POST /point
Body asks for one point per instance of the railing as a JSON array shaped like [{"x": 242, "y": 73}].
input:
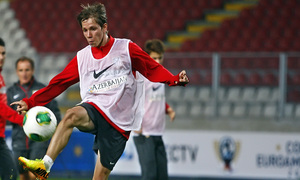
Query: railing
[
  {"x": 284, "y": 66},
  {"x": 214, "y": 70}
]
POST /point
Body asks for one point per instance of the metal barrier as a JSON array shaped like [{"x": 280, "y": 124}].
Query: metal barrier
[{"x": 284, "y": 67}]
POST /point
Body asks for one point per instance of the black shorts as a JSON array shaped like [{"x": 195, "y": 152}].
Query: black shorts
[{"x": 110, "y": 142}]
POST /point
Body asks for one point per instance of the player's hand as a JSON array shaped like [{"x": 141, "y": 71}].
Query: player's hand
[
  {"x": 139, "y": 131},
  {"x": 21, "y": 106},
  {"x": 171, "y": 114},
  {"x": 183, "y": 79}
]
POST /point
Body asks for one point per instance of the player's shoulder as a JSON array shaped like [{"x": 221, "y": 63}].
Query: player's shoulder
[
  {"x": 122, "y": 41},
  {"x": 88, "y": 47}
]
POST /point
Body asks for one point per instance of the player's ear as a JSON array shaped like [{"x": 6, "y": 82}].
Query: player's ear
[{"x": 105, "y": 27}]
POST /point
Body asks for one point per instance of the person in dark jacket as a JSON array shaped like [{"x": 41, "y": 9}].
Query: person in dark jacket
[
  {"x": 24, "y": 88},
  {"x": 8, "y": 170}
]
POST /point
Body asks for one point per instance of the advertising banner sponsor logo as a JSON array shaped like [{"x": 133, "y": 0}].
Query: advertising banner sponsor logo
[{"x": 224, "y": 154}]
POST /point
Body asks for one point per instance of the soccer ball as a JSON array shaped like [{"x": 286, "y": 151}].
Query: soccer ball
[{"x": 39, "y": 123}]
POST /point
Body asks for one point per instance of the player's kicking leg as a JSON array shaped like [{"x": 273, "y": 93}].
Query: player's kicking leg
[{"x": 75, "y": 117}]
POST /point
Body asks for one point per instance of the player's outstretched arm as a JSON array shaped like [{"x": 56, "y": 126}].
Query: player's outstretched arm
[{"x": 21, "y": 106}]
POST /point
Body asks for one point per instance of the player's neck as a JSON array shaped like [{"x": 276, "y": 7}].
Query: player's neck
[{"x": 105, "y": 40}]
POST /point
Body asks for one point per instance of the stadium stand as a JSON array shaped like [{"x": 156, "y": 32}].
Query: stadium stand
[{"x": 187, "y": 27}]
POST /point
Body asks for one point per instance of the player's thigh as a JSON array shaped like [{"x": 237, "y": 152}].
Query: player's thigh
[{"x": 78, "y": 117}]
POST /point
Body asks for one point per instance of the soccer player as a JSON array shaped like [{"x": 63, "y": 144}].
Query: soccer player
[
  {"x": 25, "y": 87},
  {"x": 148, "y": 141},
  {"x": 8, "y": 168},
  {"x": 111, "y": 90}
]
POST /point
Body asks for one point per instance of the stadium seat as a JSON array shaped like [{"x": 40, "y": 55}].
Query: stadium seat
[
  {"x": 255, "y": 45},
  {"x": 209, "y": 110},
  {"x": 173, "y": 63},
  {"x": 255, "y": 79},
  {"x": 243, "y": 63},
  {"x": 258, "y": 63},
  {"x": 181, "y": 109},
  {"x": 296, "y": 79},
  {"x": 270, "y": 110},
  {"x": 226, "y": 24},
  {"x": 257, "y": 13},
  {"x": 289, "y": 110},
  {"x": 239, "y": 110},
  {"x": 175, "y": 93},
  {"x": 188, "y": 63},
  {"x": 274, "y": 97},
  {"x": 222, "y": 94},
  {"x": 233, "y": 94},
  {"x": 284, "y": 44},
  {"x": 255, "y": 110},
  {"x": 219, "y": 34},
  {"x": 227, "y": 45},
  {"x": 228, "y": 63},
  {"x": 195, "y": 78},
  {"x": 269, "y": 79},
  {"x": 207, "y": 79},
  {"x": 266, "y": 27},
  {"x": 295, "y": 45},
  {"x": 234, "y": 35},
  {"x": 270, "y": 45},
  {"x": 240, "y": 79},
  {"x": 261, "y": 34},
  {"x": 225, "y": 79},
  {"x": 248, "y": 94},
  {"x": 241, "y": 45},
  {"x": 263, "y": 94},
  {"x": 272, "y": 63},
  {"x": 204, "y": 94},
  {"x": 203, "y": 63},
  {"x": 225, "y": 109},
  {"x": 196, "y": 109},
  {"x": 190, "y": 93},
  {"x": 297, "y": 111},
  {"x": 293, "y": 96}
]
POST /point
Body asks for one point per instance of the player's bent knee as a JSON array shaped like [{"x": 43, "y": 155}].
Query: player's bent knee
[
  {"x": 102, "y": 174},
  {"x": 72, "y": 117}
]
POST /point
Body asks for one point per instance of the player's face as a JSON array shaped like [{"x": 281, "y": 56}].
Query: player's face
[
  {"x": 24, "y": 72},
  {"x": 157, "y": 57},
  {"x": 2, "y": 56},
  {"x": 93, "y": 32}
]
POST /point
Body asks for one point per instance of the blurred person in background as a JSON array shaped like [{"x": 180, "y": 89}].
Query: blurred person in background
[
  {"x": 111, "y": 89},
  {"x": 24, "y": 88},
  {"x": 8, "y": 170},
  {"x": 148, "y": 140}
]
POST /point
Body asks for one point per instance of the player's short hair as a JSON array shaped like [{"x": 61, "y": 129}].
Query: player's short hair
[
  {"x": 96, "y": 11},
  {"x": 2, "y": 43},
  {"x": 24, "y": 58},
  {"x": 154, "y": 45}
]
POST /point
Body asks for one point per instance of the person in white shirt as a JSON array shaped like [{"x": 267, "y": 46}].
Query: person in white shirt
[{"x": 148, "y": 140}]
